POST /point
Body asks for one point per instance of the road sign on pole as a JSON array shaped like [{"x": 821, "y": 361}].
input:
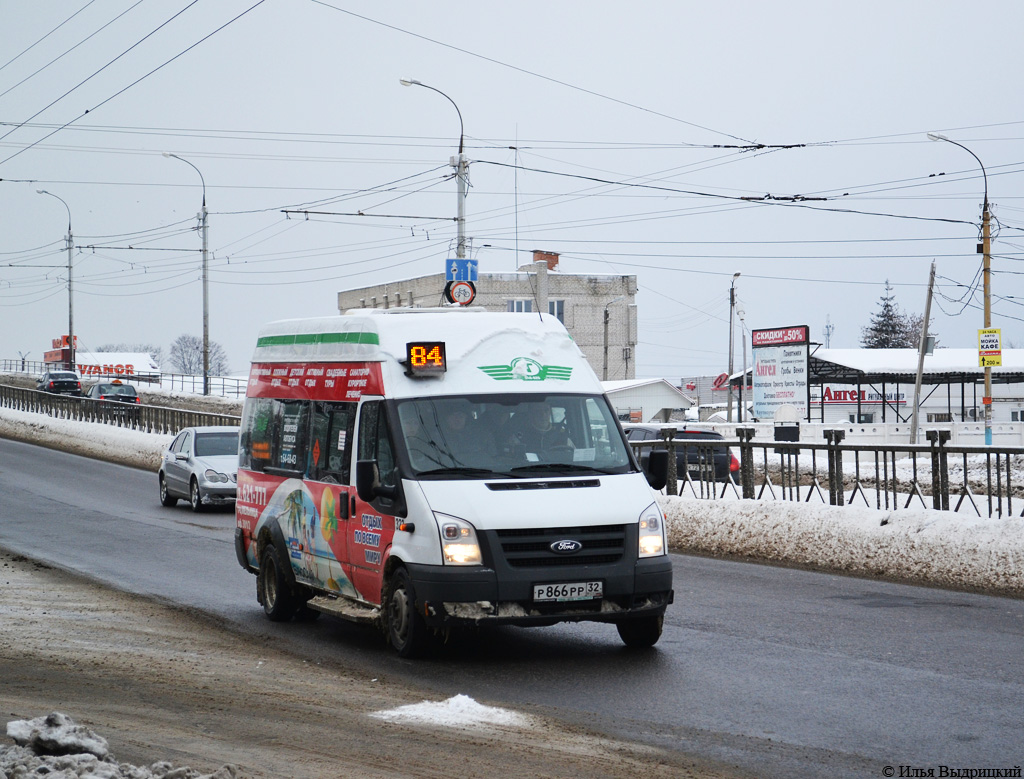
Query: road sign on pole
[
  {"x": 990, "y": 352},
  {"x": 460, "y": 270}
]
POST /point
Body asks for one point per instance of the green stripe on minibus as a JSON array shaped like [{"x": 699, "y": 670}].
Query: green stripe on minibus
[{"x": 308, "y": 339}]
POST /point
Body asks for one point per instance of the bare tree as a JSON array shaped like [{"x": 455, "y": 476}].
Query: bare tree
[{"x": 187, "y": 356}]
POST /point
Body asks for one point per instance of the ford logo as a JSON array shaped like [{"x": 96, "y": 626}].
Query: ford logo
[{"x": 566, "y": 547}]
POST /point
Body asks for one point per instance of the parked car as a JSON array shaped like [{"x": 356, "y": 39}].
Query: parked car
[
  {"x": 702, "y": 458},
  {"x": 60, "y": 383},
  {"x": 114, "y": 396},
  {"x": 200, "y": 466}
]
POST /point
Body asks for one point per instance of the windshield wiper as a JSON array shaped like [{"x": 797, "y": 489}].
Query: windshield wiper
[
  {"x": 456, "y": 470},
  {"x": 561, "y": 467}
]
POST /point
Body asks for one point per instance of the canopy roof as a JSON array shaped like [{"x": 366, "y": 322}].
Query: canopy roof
[{"x": 944, "y": 366}]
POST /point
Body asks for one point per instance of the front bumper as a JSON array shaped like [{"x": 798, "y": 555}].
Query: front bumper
[{"x": 448, "y": 595}]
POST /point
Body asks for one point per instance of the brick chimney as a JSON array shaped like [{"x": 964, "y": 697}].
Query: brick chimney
[{"x": 551, "y": 258}]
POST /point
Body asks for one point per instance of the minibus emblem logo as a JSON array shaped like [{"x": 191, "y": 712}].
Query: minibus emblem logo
[
  {"x": 525, "y": 369},
  {"x": 566, "y": 546}
]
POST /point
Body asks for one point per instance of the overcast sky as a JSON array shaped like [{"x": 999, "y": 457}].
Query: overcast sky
[{"x": 624, "y": 136}]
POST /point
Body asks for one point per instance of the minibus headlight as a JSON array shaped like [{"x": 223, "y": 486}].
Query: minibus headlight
[
  {"x": 652, "y": 532},
  {"x": 459, "y": 545},
  {"x": 213, "y": 476}
]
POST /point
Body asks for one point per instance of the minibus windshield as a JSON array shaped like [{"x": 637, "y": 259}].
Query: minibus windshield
[{"x": 509, "y": 435}]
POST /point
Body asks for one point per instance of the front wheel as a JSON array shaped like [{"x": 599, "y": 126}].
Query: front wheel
[
  {"x": 406, "y": 630},
  {"x": 195, "y": 497},
  {"x": 641, "y": 632},
  {"x": 274, "y": 592},
  {"x": 166, "y": 499}
]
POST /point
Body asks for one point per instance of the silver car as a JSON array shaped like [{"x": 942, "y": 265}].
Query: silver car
[{"x": 200, "y": 466}]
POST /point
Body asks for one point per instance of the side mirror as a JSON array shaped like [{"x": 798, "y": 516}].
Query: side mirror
[
  {"x": 368, "y": 484},
  {"x": 657, "y": 469},
  {"x": 366, "y": 477}
]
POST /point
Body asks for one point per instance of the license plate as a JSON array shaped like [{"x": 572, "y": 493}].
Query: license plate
[{"x": 567, "y": 592}]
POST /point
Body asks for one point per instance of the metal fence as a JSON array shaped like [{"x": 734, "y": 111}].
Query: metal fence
[
  {"x": 979, "y": 481},
  {"x": 226, "y": 386},
  {"x": 144, "y": 418}
]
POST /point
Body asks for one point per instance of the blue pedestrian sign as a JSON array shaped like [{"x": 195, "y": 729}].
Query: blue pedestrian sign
[{"x": 460, "y": 270}]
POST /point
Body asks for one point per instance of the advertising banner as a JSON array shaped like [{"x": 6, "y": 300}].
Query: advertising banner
[{"x": 780, "y": 372}]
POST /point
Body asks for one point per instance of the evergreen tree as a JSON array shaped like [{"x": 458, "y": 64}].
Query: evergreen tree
[
  {"x": 886, "y": 330},
  {"x": 890, "y": 328}
]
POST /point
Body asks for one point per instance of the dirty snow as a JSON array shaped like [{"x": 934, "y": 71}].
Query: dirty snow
[
  {"x": 55, "y": 746},
  {"x": 460, "y": 711}
]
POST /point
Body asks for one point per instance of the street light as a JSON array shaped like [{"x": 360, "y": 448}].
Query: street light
[
  {"x": 732, "y": 318},
  {"x": 461, "y": 166},
  {"x": 604, "y": 372},
  {"x": 743, "y": 350},
  {"x": 71, "y": 295},
  {"x": 206, "y": 280},
  {"x": 986, "y": 279}
]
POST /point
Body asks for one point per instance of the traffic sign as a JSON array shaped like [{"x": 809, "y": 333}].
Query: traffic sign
[
  {"x": 460, "y": 270},
  {"x": 461, "y": 292}
]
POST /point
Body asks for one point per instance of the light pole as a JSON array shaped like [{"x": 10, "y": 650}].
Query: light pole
[
  {"x": 986, "y": 279},
  {"x": 732, "y": 318},
  {"x": 206, "y": 278},
  {"x": 71, "y": 294},
  {"x": 743, "y": 350},
  {"x": 461, "y": 166},
  {"x": 604, "y": 372}
]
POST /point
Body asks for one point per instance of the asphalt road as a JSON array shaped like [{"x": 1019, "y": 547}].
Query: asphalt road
[{"x": 781, "y": 672}]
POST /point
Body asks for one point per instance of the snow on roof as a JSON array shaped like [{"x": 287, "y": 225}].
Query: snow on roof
[
  {"x": 618, "y": 386},
  {"x": 904, "y": 361}
]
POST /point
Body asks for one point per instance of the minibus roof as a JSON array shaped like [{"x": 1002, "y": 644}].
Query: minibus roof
[{"x": 484, "y": 349}]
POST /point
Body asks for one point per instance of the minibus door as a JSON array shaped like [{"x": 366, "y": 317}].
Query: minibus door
[
  {"x": 373, "y": 521},
  {"x": 330, "y": 461}
]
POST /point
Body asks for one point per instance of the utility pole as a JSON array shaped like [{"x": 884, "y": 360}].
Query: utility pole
[
  {"x": 71, "y": 282},
  {"x": 204, "y": 229},
  {"x": 922, "y": 346},
  {"x": 607, "y": 316},
  {"x": 461, "y": 165},
  {"x": 986, "y": 277},
  {"x": 732, "y": 320},
  {"x": 987, "y": 288}
]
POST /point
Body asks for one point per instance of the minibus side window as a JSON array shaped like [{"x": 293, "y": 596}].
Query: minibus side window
[
  {"x": 333, "y": 425},
  {"x": 274, "y": 435},
  {"x": 292, "y": 436},
  {"x": 257, "y": 434}
]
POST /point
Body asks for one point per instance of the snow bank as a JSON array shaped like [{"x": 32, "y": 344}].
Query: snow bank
[
  {"x": 55, "y": 746},
  {"x": 91, "y": 439},
  {"x": 924, "y": 546}
]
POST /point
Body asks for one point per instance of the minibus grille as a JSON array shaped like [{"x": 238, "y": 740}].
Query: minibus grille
[{"x": 531, "y": 547}]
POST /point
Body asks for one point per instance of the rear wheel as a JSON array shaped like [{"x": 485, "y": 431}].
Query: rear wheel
[
  {"x": 166, "y": 499},
  {"x": 279, "y": 603},
  {"x": 641, "y": 632},
  {"x": 195, "y": 497},
  {"x": 406, "y": 630}
]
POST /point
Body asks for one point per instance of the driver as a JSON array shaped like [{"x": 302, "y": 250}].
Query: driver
[{"x": 533, "y": 429}]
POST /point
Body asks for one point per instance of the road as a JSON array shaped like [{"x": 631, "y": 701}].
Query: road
[{"x": 781, "y": 672}]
